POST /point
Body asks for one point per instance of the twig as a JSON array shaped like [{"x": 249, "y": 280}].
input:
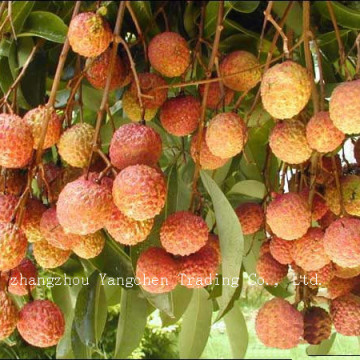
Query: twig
[
  {"x": 281, "y": 32},
  {"x": 10, "y": 19},
  {"x": 266, "y": 12}
]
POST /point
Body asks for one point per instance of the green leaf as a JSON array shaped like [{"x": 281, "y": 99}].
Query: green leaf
[
  {"x": 25, "y": 46},
  {"x": 329, "y": 46},
  {"x": 253, "y": 188},
  {"x": 323, "y": 348},
  {"x": 172, "y": 195},
  {"x": 196, "y": 325},
  {"x": 190, "y": 15},
  {"x": 294, "y": 18},
  {"x": 163, "y": 302},
  {"x": 242, "y": 6},
  {"x": 80, "y": 350},
  {"x": 142, "y": 10}
]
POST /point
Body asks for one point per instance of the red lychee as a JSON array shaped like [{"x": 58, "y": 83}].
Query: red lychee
[
  {"x": 48, "y": 256},
  {"x": 8, "y": 316},
  {"x": 317, "y": 325},
  {"x": 214, "y": 99},
  {"x": 12, "y": 182},
  {"x": 270, "y": 270},
  {"x": 7, "y": 206},
  {"x": 338, "y": 287},
  {"x": 31, "y": 222},
  {"x": 89, "y": 246},
  {"x": 319, "y": 207},
  {"x": 321, "y": 277},
  {"x": 281, "y": 250},
  {"x": 23, "y": 278},
  {"x": 251, "y": 217}
]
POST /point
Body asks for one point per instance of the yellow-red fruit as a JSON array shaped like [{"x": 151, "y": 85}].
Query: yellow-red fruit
[
  {"x": 214, "y": 99},
  {"x": 169, "y": 54},
  {"x": 251, "y": 217},
  {"x": 41, "y": 323},
  {"x": 321, "y": 277},
  {"x": 308, "y": 251},
  {"x": 319, "y": 207},
  {"x": 89, "y": 34},
  {"x": 325, "y": 174},
  {"x": 13, "y": 246},
  {"x": 344, "y": 107},
  {"x": 342, "y": 242},
  {"x": 139, "y": 192},
  {"x": 89, "y": 246},
  {"x": 15, "y": 132},
  {"x": 8, "y": 316},
  {"x": 31, "y": 222},
  {"x": 279, "y": 325},
  {"x": 180, "y": 115},
  {"x": 288, "y": 216},
  {"x": 350, "y": 185},
  {"x": 226, "y": 135},
  {"x": 132, "y": 108},
  {"x": 134, "y": 144},
  {"x": 357, "y": 151},
  {"x": 35, "y": 118},
  {"x": 345, "y": 314},
  {"x": 157, "y": 271},
  {"x": 339, "y": 287},
  {"x": 148, "y": 83},
  {"x": 281, "y": 250},
  {"x": 270, "y": 270},
  {"x": 84, "y": 206},
  {"x": 264, "y": 248},
  {"x": 346, "y": 273},
  {"x": 127, "y": 66},
  {"x": 126, "y": 230},
  {"x": 317, "y": 325},
  {"x": 183, "y": 233},
  {"x": 285, "y": 89},
  {"x": 12, "y": 182},
  {"x": 240, "y": 70},
  {"x": 23, "y": 278},
  {"x": 98, "y": 68},
  {"x": 7, "y": 207},
  {"x": 288, "y": 142},
  {"x": 208, "y": 161},
  {"x": 48, "y": 256},
  {"x": 75, "y": 145},
  {"x": 321, "y": 133}
]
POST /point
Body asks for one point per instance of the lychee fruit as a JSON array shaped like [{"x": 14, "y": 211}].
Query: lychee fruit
[
  {"x": 281, "y": 250},
  {"x": 48, "y": 256},
  {"x": 226, "y": 135},
  {"x": 7, "y": 206},
  {"x": 351, "y": 194},
  {"x": 251, "y": 217},
  {"x": 131, "y": 107},
  {"x": 41, "y": 323},
  {"x": 23, "y": 278},
  {"x": 317, "y": 325},
  {"x": 321, "y": 277},
  {"x": 14, "y": 132},
  {"x": 139, "y": 192},
  {"x": 89, "y": 34},
  {"x": 8, "y": 316},
  {"x": 270, "y": 270},
  {"x": 285, "y": 89},
  {"x": 12, "y": 182},
  {"x": 89, "y": 246},
  {"x": 279, "y": 325},
  {"x": 31, "y": 222},
  {"x": 346, "y": 273},
  {"x": 357, "y": 151},
  {"x": 134, "y": 144},
  {"x": 319, "y": 207},
  {"x": 183, "y": 233},
  {"x": 169, "y": 54},
  {"x": 157, "y": 271},
  {"x": 264, "y": 248},
  {"x": 214, "y": 99},
  {"x": 339, "y": 287}
]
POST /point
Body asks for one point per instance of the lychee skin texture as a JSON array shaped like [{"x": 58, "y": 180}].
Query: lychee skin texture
[
  {"x": 236, "y": 73},
  {"x": 128, "y": 231},
  {"x": 134, "y": 144},
  {"x": 35, "y": 118},
  {"x": 285, "y": 89},
  {"x": 157, "y": 271},
  {"x": 8, "y": 316},
  {"x": 214, "y": 99},
  {"x": 14, "y": 132},
  {"x": 344, "y": 107},
  {"x": 351, "y": 194},
  {"x": 75, "y": 145},
  {"x": 139, "y": 192},
  {"x": 317, "y": 325},
  {"x": 7, "y": 207},
  {"x": 132, "y": 108},
  {"x": 84, "y": 206},
  {"x": 342, "y": 242},
  {"x": 321, "y": 133},
  {"x": 322, "y": 277},
  {"x": 251, "y": 217},
  {"x": 41, "y": 323},
  {"x": 264, "y": 248},
  {"x": 288, "y": 216},
  {"x": 89, "y": 246},
  {"x": 183, "y": 233},
  {"x": 48, "y": 256},
  {"x": 270, "y": 270},
  {"x": 226, "y": 135},
  {"x": 23, "y": 278},
  {"x": 180, "y": 115},
  {"x": 338, "y": 287},
  {"x": 281, "y": 250},
  {"x": 169, "y": 54},
  {"x": 13, "y": 182},
  {"x": 288, "y": 142},
  {"x": 89, "y": 34},
  {"x": 346, "y": 273},
  {"x": 308, "y": 251},
  {"x": 345, "y": 314},
  {"x": 31, "y": 222},
  {"x": 279, "y": 325},
  {"x": 13, "y": 246}
]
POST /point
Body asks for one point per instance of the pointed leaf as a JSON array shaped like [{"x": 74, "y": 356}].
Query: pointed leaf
[{"x": 251, "y": 188}]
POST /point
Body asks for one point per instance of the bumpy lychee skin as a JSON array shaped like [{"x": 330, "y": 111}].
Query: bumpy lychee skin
[
  {"x": 89, "y": 246},
  {"x": 8, "y": 316},
  {"x": 279, "y": 325},
  {"x": 89, "y": 34},
  {"x": 281, "y": 250},
  {"x": 180, "y": 115},
  {"x": 48, "y": 256},
  {"x": 226, "y": 135},
  {"x": 7, "y": 207},
  {"x": 183, "y": 233},
  {"x": 157, "y": 271},
  {"x": 317, "y": 325},
  {"x": 251, "y": 217},
  {"x": 240, "y": 70},
  {"x": 12, "y": 182},
  {"x": 288, "y": 142},
  {"x": 128, "y": 231},
  {"x": 148, "y": 82},
  {"x": 322, "y": 135},
  {"x": 84, "y": 206},
  {"x": 346, "y": 273},
  {"x": 320, "y": 277},
  {"x": 14, "y": 132},
  {"x": 132, "y": 108},
  {"x": 288, "y": 216},
  {"x": 345, "y": 314},
  {"x": 270, "y": 270},
  {"x": 23, "y": 278},
  {"x": 35, "y": 118},
  {"x": 344, "y": 107},
  {"x": 31, "y": 222},
  {"x": 134, "y": 144},
  {"x": 13, "y": 246},
  {"x": 338, "y": 287},
  {"x": 357, "y": 151},
  {"x": 264, "y": 248},
  {"x": 139, "y": 192},
  {"x": 41, "y": 323},
  {"x": 278, "y": 88},
  {"x": 214, "y": 99},
  {"x": 169, "y": 54}
]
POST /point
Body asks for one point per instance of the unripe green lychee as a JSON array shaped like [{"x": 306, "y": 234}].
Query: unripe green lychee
[
  {"x": 23, "y": 278},
  {"x": 132, "y": 108},
  {"x": 251, "y": 217},
  {"x": 270, "y": 270},
  {"x": 8, "y": 316},
  {"x": 31, "y": 222},
  {"x": 317, "y": 325},
  {"x": 7, "y": 206},
  {"x": 214, "y": 99},
  {"x": 48, "y": 256},
  {"x": 89, "y": 246},
  {"x": 281, "y": 250}
]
